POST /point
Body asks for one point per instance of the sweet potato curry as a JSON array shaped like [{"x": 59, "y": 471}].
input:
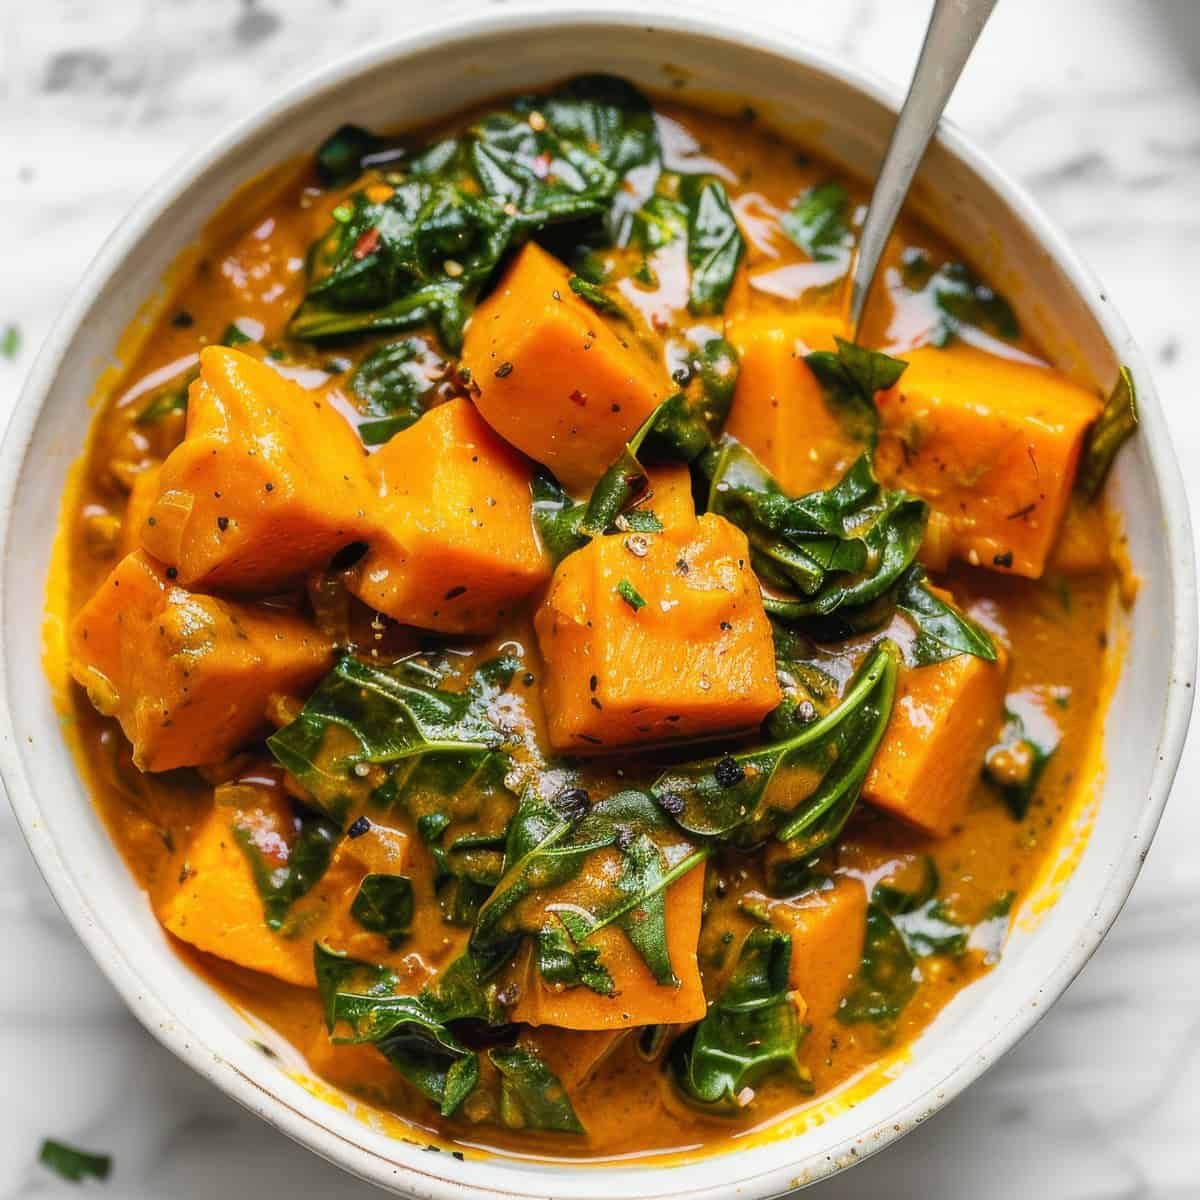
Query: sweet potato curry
[{"x": 541, "y": 667}]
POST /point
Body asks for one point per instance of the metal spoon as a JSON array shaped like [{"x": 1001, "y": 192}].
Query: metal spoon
[{"x": 954, "y": 28}]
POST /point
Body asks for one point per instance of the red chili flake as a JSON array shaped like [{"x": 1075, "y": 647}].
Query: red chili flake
[
  {"x": 541, "y": 165},
  {"x": 367, "y": 243},
  {"x": 579, "y": 398}
]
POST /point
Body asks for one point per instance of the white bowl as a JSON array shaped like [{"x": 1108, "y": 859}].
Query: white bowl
[{"x": 836, "y": 111}]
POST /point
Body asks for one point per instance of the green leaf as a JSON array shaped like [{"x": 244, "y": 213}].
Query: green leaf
[
  {"x": 837, "y": 549},
  {"x": 942, "y": 631},
  {"x": 531, "y": 1096},
  {"x": 803, "y": 789},
  {"x": 1016, "y": 762},
  {"x": 659, "y": 222},
  {"x": 960, "y": 298},
  {"x": 850, "y": 378},
  {"x": 749, "y": 1033},
  {"x": 10, "y": 345},
  {"x": 715, "y": 243},
  {"x": 308, "y": 857},
  {"x": 171, "y": 398},
  {"x": 234, "y": 335},
  {"x": 816, "y": 222},
  {"x": 687, "y": 421},
  {"x": 556, "y": 517},
  {"x": 384, "y": 904},
  {"x": 902, "y": 927},
  {"x": 1117, "y": 422},
  {"x": 339, "y": 159},
  {"x": 630, "y": 595},
  {"x": 405, "y": 1029},
  {"x": 74, "y": 1165},
  {"x": 361, "y": 715},
  {"x": 421, "y": 255},
  {"x": 595, "y": 296},
  {"x": 561, "y": 962},
  {"x": 394, "y": 385}
]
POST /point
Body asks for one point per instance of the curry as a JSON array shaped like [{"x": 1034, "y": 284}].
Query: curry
[{"x": 534, "y": 661}]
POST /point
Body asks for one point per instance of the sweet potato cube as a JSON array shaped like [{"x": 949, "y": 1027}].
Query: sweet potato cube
[
  {"x": 992, "y": 444},
  {"x": 454, "y": 547},
  {"x": 669, "y": 497},
  {"x": 1085, "y": 541},
  {"x": 655, "y": 638},
  {"x": 554, "y": 377},
  {"x": 944, "y": 719},
  {"x": 268, "y": 484},
  {"x": 141, "y": 500},
  {"x": 217, "y": 908},
  {"x": 779, "y": 407},
  {"x": 638, "y": 998},
  {"x": 187, "y": 676}
]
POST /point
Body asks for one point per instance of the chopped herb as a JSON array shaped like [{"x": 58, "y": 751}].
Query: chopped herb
[
  {"x": 630, "y": 595},
  {"x": 1117, "y": 422},
  {"x": 72, "y": 1164},
  {"x": 10, "y": 342}
]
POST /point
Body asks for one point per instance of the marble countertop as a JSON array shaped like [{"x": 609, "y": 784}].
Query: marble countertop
[{"x": 1094, "y": 104}]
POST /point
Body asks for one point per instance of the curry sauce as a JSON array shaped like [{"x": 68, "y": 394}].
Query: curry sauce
[{"x": 534, "y": 665}]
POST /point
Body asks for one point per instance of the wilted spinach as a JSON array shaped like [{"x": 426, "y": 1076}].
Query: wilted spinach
[
  {"x": 902, "y": 927},
  {"x": 531, "y": 1096},
  {"x": 384, "y": 904},
  {"x": 817, "y": 223},
  {"x": 714, "y": 243},
  {"x": 393, "y": 386},
  {"x": 801, "y": 790},
  {"x": 1016, "y": 762},
  {"x": 339, "y": 158},
  {"x": 1117, "y": 422},
  {"x": 850, "y": 377},
  {"x": 362, "y": 715},
  {"x": 420, "y": 255},
  {"x": 750, "y": 1032},
  {"x": 942, "y": 631},
  {"x": 280, "y": 885},
  {"x": 837, "y": 549},
  {"x": 960, "y": 298}
]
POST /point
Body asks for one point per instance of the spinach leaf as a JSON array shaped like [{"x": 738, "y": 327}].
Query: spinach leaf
[
  {"x": 1016, "y": 762},
  {"x": 560, "y": 961},
  {"x": 989, "y": 934},
  {"x": 902, "y": 927},
  {"x": 595, "y": 296},
  {"x": 171, "y": 398},
  {"x": 659, "y": 222},
  {"x": 803, "y": 789},
  {"x": 384, "y": 904},
  {"x": 339, "y": 158},
  {"x": 750, "y": 1032},
  {"x": 840, "y": 548},
  {"x": 405, "y": 1029},
  {"x": 817, "y": 223},
  {"x": 421, "y": 254},
  {"x": 942, "y": 631},
  {"x": 556, "y": 517},
  {"x": 850, "y": 377},
  {"x": 360, "y": 715},
  {"x": 531, "y": 1096},
  {"x": 1117, "y": 422},
  {"x": 394, "y": 385},
  {"x": 960, "y": 298},
  {"x": 687, "y": 421},
  {"x": 74, "y": 1165},
  {"x": 715, "y": 243},
  {"x": 281, "y": 884}
]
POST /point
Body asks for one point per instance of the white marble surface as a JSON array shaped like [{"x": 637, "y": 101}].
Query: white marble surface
[{"x": 1095, "y": 104}]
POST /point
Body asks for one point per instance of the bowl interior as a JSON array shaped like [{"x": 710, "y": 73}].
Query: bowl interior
[{"x": 833, "y": 113}]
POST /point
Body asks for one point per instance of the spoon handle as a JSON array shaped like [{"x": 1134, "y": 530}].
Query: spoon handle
[{"x": 954, "y": 28}]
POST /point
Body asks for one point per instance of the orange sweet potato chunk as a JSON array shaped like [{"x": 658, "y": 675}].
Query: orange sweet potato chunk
[
  {"x": 1085, "y": 541},
  {"x": 554, "y": 378},
  {"x": 267, "y": 484},
  {"x": 187, "y": 676},
  {"x": 573, "y": 1055},
  {"x": 695, "y": 658},
  {"x": 779, "y": 408},
  {"x": 453, "y": 546},
  {"x": 638, "y": 999},
  {"x": 669, "y": 496},
  {"x": 944, "y": 719},
  {"x": 992, "y": 444},
  {"x": 216, "y": 906},
  {"x": 142, "y": 496}
]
